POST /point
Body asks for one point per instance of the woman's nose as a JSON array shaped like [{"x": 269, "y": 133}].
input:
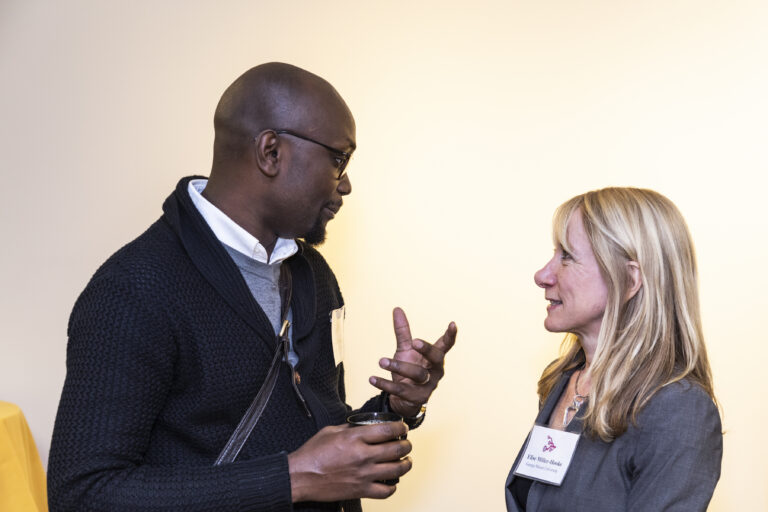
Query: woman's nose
[{"x": 545, "y": 277}]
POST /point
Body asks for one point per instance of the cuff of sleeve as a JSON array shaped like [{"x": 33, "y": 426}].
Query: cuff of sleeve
[
  {"x": 417, "y": 420},
  {"x": 264, "y": 483},
  {"x": 413, "y": 422}
]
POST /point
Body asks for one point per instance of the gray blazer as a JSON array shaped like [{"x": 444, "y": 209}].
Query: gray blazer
[{"x": 669, "y": 461}]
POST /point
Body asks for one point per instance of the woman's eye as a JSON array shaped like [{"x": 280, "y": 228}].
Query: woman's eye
[{"x": 565, "y": 255}]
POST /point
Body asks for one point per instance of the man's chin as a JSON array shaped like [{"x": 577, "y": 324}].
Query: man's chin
[{"x": 316, "y": 235}]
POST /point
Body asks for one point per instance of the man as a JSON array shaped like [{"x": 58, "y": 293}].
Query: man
[{"x": 178, "y": 331}]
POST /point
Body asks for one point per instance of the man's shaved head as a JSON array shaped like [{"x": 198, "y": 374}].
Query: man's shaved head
[
  {"x": 269, "y": 96},
  {"x": 276, "y": 170}
]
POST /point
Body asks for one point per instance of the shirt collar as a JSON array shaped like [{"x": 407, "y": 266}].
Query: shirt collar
[{"x": 230, "y": 233}]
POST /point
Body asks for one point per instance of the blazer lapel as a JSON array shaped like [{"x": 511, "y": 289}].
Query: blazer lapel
[
  {"x": 554, "y": 396},
  {"x": 541, "y": 419}
]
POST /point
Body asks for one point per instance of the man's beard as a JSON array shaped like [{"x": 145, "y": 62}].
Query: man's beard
[{"x": 316, "y": 234}]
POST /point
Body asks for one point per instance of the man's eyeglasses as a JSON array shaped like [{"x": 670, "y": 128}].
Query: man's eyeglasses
[{"x": 341, "y": 157}]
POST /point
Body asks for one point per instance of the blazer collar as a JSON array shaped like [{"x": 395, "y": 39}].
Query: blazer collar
[{"x": 575, "y": 426}]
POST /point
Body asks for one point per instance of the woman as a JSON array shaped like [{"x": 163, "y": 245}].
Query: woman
[{"x": 633, "y": 387}]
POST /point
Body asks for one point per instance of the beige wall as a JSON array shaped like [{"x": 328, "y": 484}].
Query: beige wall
[{"x": 474, "y": 123}]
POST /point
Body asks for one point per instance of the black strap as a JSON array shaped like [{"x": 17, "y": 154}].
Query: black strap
[{"x": 251, "y": 417}]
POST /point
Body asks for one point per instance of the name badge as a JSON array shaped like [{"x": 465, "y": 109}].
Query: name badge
[
  {"x": 337, "y": 334},
  {"x": 547, "y": 455}
]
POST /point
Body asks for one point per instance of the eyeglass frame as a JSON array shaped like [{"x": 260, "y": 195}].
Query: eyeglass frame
[{"x": 342, "y": 156}]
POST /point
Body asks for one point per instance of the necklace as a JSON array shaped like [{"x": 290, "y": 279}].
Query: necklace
[{"x": 576, "y": 404}]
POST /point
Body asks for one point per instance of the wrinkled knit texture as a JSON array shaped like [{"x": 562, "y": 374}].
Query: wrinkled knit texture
[{"x": 167, "y": 348}]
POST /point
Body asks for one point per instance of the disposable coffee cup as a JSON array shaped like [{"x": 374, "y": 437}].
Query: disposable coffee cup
[{"x": 372, "y": 418}]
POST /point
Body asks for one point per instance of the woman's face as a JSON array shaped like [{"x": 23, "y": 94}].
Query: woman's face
[{"x": 574, "y": 287}]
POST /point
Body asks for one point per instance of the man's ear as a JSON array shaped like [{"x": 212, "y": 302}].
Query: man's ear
[
  {"x": 267, "y": 148},
  {"x": 635, "y": 279}
]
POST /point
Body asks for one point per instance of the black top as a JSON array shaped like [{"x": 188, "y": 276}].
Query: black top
[{"x": 167, "y": 348}]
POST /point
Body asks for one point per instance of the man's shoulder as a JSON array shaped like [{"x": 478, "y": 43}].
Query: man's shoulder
[{"x": 146, "y": 259}]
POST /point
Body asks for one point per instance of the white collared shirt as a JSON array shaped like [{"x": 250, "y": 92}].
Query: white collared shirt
[{"x": 230, "y": 233}]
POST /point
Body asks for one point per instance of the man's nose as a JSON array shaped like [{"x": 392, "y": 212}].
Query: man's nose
[{"x": 345, "y": 185}]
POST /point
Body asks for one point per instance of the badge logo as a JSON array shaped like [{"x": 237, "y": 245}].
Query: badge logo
[{"x": 550, "y": 446}]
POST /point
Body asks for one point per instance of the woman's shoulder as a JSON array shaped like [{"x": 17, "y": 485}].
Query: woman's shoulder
[
  {"x": 676, "y": 447},
  {"x": 679, "y": 405}
]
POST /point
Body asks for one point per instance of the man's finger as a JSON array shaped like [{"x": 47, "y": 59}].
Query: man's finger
[
  {"x": 379, "y": 491},
  {"x": 377, "y": 433},
  {"x": 399, "y": 389},
  {"x": 402, "y": 329},
  {"x": 392, "y": 451},
  {"x": 389, "y": 470},
  {"x": 416, "y": 372},
  {"x": 448, "y": 339},
  {"x": 434, "y": 356}
]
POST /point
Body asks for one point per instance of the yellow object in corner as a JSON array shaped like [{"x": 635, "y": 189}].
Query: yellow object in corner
[{"x": 22, "y": 478}]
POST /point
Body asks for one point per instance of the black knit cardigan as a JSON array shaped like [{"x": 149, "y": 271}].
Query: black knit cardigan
[{"x": 167, "y": 348}]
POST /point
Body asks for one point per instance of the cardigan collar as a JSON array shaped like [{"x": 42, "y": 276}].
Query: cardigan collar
[
  {"x": 218, "y": 268},
  {"x": 230, "y": 233}
]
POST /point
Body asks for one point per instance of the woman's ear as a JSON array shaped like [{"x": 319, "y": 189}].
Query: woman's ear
[
  {"x": 635, "y": 279},
  {"x": 267, "y": 148}
]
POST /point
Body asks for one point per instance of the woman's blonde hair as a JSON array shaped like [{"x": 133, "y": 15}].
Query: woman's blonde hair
[{"x": 655, "y": 337}]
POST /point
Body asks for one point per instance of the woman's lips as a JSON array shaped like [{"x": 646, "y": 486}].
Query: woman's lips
[{"x": 553, "y": 304}]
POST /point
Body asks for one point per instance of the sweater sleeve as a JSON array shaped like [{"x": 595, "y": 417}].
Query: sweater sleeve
[
  {"x": 678, "y": 453},
  {"x": 120, "y": 371}
]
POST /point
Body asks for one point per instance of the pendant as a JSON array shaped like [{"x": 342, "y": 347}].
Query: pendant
[{"x": 573, "y": 408}]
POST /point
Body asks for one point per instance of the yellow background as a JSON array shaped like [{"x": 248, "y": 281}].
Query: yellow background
[{"x": 475, "y": 120}]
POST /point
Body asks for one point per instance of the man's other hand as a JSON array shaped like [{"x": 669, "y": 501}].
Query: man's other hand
[{"x": 342, "y": 463}]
